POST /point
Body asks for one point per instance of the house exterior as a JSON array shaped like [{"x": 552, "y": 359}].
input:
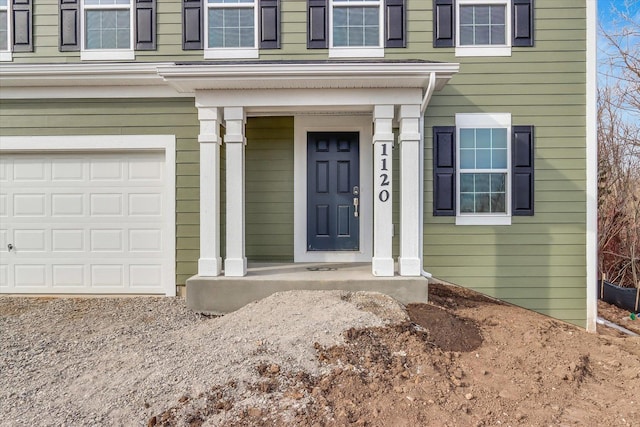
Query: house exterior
[{"x": 145, "y": 143}]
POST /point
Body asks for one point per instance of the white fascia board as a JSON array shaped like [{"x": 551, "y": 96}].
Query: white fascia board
[
  {"x": 128, "y": 80},
  {"x": 301, "y": 100}
]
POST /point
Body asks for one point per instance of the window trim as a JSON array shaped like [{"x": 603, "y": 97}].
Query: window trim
[
  {"x": 480, "y": 121},
  {"x": 232, "y": 52},
  {"x": 106, "y": 54},
  {"x": 358, "y": 51},
  {"x": 6, "y": 54},
  {"x": 484, "y": 50}
]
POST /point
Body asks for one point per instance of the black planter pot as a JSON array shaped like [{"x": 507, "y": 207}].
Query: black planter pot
[{"x": 621, "y": 297}]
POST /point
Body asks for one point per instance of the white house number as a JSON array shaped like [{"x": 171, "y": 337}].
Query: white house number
[{"x": 383, "y": 194}]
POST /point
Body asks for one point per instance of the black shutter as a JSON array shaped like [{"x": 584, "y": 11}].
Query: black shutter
[
  {"x": 192, "y": 23},
  {"x": 444, "y": 170},
  {"x": 317, "y": 23},
  {"x": 22, "y": 25},
  {"x": 69, "y": 25},
  {"x": 522, "y": 154},
  {"x": 395, "y": 23},
  {"x": 522, "y": 23},
  {"x": 145, "y": 24},
  {"x": 269, "y": 24},
  {"x": 444, "y": 21}
]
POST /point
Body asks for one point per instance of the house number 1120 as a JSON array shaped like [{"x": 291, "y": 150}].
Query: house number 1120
[{"x": 383, "y": 194}]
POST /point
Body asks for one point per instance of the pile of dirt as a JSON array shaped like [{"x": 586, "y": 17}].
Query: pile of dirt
[{"x": 460, "y": 360}]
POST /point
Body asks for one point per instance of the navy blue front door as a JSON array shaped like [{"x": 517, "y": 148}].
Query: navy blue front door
[{"x": 333, "y": 173}]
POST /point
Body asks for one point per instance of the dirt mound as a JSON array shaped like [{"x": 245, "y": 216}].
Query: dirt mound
[{"x": 310, "y": 359}]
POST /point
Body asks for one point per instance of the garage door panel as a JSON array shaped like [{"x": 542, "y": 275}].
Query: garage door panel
[
  {"x": 106, "y": 204},
  {"x": 29, "y": 170},
  {"x": 106, "y": 170},
  {"x": 68, "y": 170},
  {"x": 67, "y": 240},
  {"x": 145, "y": 204},
  {"x": 84, "y": 223},
  {"x": 4, "y": 206},
  {"x": 141, "y": 169},
  {"x": 67, "y": 204},
  {"x": 68, "y": 275},
  {"x": 29, "y": 204},
  {"x": 145, "y": 276},
  {"x": 105, "y": 275},
  {"x": 30, "y": 275},
  {"x": 107, "y": 240},
  {"x": 30, "y": 240}
]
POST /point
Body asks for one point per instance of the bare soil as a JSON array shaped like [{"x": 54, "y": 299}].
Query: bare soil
[{"x": 460, "y": 360}]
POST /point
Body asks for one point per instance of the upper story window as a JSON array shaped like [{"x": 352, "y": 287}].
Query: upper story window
[
  {"x": 483, "y": 27},
  {"x": 231, "y": 29},
  {"x": 108, "y": 28},
  {"x": 104, "y": 30},
  {"x": 356, "y": 28}
]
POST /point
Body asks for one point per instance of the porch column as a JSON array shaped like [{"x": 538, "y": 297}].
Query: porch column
[
  {"x": 409, "y": 262},
  {"x": 235, "y": 264},
  {"x": 382, "y": 263},
  {"x": 209, "y": 263}
]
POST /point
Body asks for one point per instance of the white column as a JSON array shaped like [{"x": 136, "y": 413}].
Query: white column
[
  {"x": 382, "y": 263},
  {"x": 409, "y": 262},
  {"x": 235, "y": 264},
  {"x": 209, "y": 263}
]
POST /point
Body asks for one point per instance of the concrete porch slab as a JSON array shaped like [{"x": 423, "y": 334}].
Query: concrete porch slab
[{"x": 219, "y": 295}]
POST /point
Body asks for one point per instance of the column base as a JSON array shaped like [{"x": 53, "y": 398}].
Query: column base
[
  {"x": 409, "y": 266},
  {"x": 209, "y": 267},
  {"x": 382, "y": 267},
  {"x": 235, "y": 267}
]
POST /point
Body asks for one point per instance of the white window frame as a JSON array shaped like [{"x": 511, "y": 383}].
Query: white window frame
[
  {"x": 106, "y": 54},
  {"x": 5, "y": 54},
  {"x": 357, "y": 51},
  {"x": 484, "y": 121},
  {"x": 231, "y": 52},
  {"x": 484, "y": 50}
]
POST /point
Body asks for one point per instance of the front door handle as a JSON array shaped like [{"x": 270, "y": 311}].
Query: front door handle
[
  {"x": 356, "y": 202},
  {"x": 10, "y": 247}
]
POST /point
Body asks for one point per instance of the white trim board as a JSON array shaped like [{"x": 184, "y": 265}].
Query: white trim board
[
  {"x": 312, "y": 123},
  {"x": 116, "y": 143}
]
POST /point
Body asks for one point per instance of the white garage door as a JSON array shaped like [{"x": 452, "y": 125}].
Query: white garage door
[{"x": 84, "y": 223}]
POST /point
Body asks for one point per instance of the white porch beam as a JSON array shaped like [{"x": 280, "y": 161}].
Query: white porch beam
[
  {"x": 235, "y": 263},
  {"x": 210, "y": 262},
  {"x": 382, "y": 263},
  {"x": 409, "y": 262}
]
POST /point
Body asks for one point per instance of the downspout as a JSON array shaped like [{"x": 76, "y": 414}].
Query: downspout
[{"x": 425, "y": 101}]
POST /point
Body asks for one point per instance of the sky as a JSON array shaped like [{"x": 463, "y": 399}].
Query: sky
[{"x": 605, "y": 15}]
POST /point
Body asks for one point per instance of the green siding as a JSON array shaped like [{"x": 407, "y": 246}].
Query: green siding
[
  {"x": 538, "y": 262},
  {"x": 269, "y": 187},
  {"x": 127, "y": 117}
]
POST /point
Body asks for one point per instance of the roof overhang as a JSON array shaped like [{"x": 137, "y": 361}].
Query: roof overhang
[{"x": 185, "y": 79}]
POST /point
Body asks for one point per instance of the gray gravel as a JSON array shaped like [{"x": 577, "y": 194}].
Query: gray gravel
[{"x": 120, "y": 361}]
